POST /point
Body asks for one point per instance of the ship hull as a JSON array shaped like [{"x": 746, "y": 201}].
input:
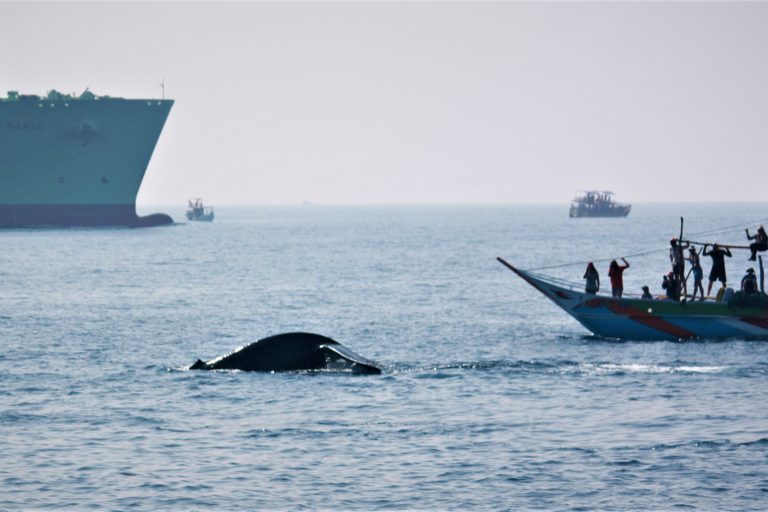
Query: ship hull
[
  {"x": 617, "y": 211},
  {"x": 652, "y": 319},
  {"x": 76, "y": 162},
  {"x": 67, "y": 215},
  {"x": 205, "y": 217}
]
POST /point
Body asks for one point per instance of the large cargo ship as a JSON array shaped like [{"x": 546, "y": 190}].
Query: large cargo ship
[{"x": 76, "y": 160}]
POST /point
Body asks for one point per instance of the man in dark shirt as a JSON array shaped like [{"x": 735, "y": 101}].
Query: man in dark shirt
[{"x": 718, "y": 264}]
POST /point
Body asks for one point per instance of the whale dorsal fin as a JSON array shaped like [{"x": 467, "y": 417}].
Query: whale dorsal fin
[{"x": 198, "y": 365}]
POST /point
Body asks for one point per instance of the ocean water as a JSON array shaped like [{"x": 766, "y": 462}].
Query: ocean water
[{"x": 491, "y": 399}]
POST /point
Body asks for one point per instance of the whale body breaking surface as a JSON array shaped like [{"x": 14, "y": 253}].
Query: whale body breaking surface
[{"x": 294, "y": 351}]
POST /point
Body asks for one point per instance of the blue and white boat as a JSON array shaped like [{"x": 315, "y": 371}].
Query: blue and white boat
[{"x": 633, "y": 318}]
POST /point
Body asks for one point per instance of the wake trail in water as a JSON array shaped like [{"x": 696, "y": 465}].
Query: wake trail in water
[{"x": 569, "y": 367}]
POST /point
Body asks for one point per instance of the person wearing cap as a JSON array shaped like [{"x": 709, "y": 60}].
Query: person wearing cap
[
  {"x": 749, "y": 282},
  {"x": 646, "y": 293},
  {"x": 760, "y": 242},
  {"x": 698, "y": 272},
  {"x": 593, "y": 279}
]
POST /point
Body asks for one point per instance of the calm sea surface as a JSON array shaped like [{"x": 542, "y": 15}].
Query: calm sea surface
[{"x": 492, "y": 398}]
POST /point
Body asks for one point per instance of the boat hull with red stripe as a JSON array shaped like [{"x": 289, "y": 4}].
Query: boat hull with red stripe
[{"x": 651, "y": 319}]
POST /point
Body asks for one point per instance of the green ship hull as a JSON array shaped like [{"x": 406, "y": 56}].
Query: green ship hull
[{"x": 76, "y": 161}]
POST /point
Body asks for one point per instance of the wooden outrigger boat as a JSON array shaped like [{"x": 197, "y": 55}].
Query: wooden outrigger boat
[{"x": 655, "y": 319}]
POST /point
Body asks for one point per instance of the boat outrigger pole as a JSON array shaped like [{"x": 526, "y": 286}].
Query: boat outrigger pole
[
  {"x": 729, "y": 246},
  {"x": 681, "y": 228}
]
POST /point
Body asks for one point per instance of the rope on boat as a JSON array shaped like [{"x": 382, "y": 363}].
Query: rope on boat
[
  {"x": 715, "y": 231},
  {"x": 569, "y": 284},
  {"x": 729, "y": 229},
  {"x": 603, "y": 260},
  {"x": 556, "y": 280},
  {"x": 725, "y": 230}
]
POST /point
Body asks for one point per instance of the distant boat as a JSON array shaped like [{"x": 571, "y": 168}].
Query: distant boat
[
  {"x": 196, "y": 211},
  {"x": 598, "y": 203}
]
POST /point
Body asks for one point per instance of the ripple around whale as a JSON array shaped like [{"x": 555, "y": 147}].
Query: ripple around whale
[
  {"x": 567, "y": 367},
  {"x": 544, "y": 367}
]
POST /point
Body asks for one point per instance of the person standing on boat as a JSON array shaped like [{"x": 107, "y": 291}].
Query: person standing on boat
[
  {"x": 760, "y": 242},
  {"x": 718, "y": 264},
  {"x": 677, "y": 258},
  {"x": 615, "y": 272},
  {"x": 698, "y": 272},
  {"x": 593, "y": 279},
  {"x": 646, "y": 293}
]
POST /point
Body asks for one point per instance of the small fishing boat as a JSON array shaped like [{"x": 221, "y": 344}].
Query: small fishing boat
[
  {"x": 196, "y": 211},
  {"x": 735, "y": 315},
  {"x": 598, "y": 203}
]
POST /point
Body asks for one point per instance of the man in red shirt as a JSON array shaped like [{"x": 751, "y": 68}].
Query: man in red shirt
[{"x": 615, "y": 272}]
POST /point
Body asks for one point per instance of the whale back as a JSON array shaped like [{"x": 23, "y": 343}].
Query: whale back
[
  {"x": 282, "y": 352},
  {"x": 291, "y": 351}
]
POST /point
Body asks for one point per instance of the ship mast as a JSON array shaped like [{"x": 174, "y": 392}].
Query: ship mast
[{"x": 162, "y": 86}]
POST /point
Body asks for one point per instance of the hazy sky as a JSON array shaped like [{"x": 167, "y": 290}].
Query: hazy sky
[{"x": 421, "y": 102}]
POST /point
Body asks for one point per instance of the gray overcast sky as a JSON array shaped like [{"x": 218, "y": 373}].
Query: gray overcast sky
[{"x": 421, "y": 102}]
